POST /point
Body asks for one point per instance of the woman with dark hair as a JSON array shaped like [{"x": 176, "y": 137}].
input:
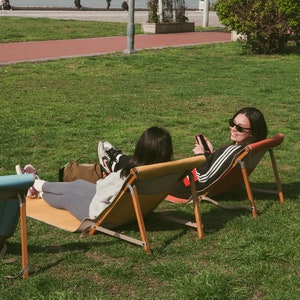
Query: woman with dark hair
[
  {"x": 85, "y": 199},
  {"x": 154, "y": 146},
  {"x": 258, "y": 128},
  {"x": 246, "y": 126}
]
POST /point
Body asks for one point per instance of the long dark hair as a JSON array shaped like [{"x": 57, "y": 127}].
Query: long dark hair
[
  {"x": 154, "y": 146},
  {"x": 257, "y": 121}
]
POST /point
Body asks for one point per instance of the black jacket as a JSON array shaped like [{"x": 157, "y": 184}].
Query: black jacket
[{"x": 216, "y": 164}]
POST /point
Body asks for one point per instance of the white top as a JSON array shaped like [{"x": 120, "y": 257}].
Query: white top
[{"x": 106, "y": 191}]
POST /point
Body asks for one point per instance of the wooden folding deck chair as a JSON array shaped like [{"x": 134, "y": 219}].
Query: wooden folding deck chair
[
  {"x": 14, "y": 187},
  {"x": 144, "y": 189},
  {"x": 239, "y": 171}
]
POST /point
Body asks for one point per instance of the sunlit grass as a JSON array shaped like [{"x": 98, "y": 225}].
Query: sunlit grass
[
  {"x": 57, "y": 111},
  {"x": 18, "y": 29}
]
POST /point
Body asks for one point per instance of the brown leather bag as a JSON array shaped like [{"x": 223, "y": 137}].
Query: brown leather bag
[{"x": 74, "y": 170}]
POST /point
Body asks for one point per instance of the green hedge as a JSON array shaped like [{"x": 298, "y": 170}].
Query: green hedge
[{"x": 267, "y": 24}]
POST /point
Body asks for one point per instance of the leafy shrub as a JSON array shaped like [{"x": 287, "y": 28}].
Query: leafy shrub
[
  {"x": 267, "y": 24},
  {"x": 291, "y": 8}
]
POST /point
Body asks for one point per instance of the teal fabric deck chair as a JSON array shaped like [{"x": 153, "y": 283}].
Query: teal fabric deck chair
[{"x": 13, "y": 189}]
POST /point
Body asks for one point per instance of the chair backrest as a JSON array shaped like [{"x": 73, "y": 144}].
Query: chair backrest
[
  {"x": 11, "y": 185},
  {"x": 153, "y": 184},
  {"x": 251, "y": 155},
  {"x": 12, "y": 192}
]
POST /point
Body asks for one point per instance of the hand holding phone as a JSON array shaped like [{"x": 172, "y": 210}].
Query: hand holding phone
[{"x": 203, "y": 142}]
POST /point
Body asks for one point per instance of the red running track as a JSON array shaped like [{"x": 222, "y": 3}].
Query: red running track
[{"x": 49, "y": 50}]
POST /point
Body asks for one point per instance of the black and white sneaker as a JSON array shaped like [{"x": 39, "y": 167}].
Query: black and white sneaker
[
  {"x": 108, "y": 156},
  {"x": 103, "y": 159}
]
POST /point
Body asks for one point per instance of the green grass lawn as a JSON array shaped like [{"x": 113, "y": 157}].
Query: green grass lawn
[
  {"x": 57, "y": 111},
  {"x": 17, "y": 29}
]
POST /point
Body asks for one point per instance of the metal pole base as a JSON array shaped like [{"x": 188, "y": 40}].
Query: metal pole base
[{"x": 130, "y": 51}]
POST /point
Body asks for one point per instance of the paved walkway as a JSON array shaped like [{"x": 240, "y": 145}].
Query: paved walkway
[
  {"x": 49, "y": 50},
  {"x": 140, "y": 16}
]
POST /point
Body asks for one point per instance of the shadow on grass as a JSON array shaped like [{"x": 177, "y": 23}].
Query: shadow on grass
[
  {"x": 14, "y": 247},
  {"x": 291, "y": 190},
  {"x": 215, "y": 218}
]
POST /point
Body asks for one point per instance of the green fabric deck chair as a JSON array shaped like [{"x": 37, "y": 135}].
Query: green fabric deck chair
[{"x": 13, "y": 189}]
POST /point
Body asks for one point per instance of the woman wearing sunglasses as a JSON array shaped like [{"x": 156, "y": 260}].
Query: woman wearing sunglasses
[{"x": 246, "y": 126}]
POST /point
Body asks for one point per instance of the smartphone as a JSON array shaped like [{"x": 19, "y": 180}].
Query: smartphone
[{"x": 203, "y": 141}]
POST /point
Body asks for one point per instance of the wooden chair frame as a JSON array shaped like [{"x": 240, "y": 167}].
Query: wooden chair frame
[
  {"x": 136, "y": 200},
  {"x": 144, "y": 189}
]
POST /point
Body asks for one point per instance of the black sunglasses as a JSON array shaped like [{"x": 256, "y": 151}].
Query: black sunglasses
[{"x": 238, "y": 127}]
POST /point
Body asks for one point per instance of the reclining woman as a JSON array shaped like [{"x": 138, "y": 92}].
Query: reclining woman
[
  {"x": 246, "y": 126},
  {"x": 85, "y": 199}
]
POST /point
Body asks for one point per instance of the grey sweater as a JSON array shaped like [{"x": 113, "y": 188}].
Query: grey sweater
[{"x": 106, "y": 190}]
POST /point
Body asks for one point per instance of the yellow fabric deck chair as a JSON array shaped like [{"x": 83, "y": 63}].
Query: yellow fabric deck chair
[
  {"x": 241, "y": 168},
  {"x": 14, "y": 187},
  {"x": 144, "y": 189}
]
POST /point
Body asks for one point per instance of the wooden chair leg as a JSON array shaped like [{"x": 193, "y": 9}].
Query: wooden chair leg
[
  {"x": 276, "y": 175},
  {"x": 139, "y": 217},
  {"x": 248, "y": 188},
  {"x": 196, "y": 207},
  {"x": 24, "y": 245}
]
